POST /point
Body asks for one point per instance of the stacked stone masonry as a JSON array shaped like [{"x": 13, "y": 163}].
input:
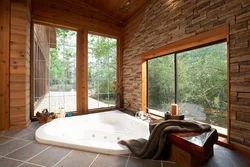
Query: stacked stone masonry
[{"x": 165, "y": 21}]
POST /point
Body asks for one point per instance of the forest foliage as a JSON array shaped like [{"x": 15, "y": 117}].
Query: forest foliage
[
  {"x": 63, "y": 60},
  {"x": 201, "y": 78},
  {"x": 101, "y": 67}
]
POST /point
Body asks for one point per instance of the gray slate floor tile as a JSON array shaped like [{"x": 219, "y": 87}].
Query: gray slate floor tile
[
  {"x": 29, "y": 165},
  {"x": 4, "y": 162},
  {"x": 35, "y": 125},
  {"x": 110, "y": 161},
  {"x": 11, "y": 146},
  {"x": 50, "y": 156},
  {"x": 219, "y": 160},
  {"x": 30, "y": 137},
  {"x": 28, "y": 151},
  {"x": 18, "y": 133},
  {"x": 4, "y": 139},
  {"x": 77, "y": 158},
  {"x": 134, "y": 162}
]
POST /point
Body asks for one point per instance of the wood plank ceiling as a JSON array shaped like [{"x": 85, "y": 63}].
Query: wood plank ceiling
[{"x": 120, "y": 10}]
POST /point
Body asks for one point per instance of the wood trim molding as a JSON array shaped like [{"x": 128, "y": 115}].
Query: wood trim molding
[
  {"x": 79, "y": 70},
  {"x": 214, "y": 35},
  {"x": 228, "y": 90},
  {"x": 119, "y": 70},
  {"x": 85, "y": 70},
  {"x": 32, "y": 108},
  {"x": 4, "y": 66}
]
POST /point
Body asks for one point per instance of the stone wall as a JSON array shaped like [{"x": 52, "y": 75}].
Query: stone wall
[{"x": 166, "y": 21}]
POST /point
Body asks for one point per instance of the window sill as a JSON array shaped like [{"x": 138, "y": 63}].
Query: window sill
[{"x": 156, "y": 117}]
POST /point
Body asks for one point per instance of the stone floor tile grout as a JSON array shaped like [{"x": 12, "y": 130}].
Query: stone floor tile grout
[
  {"x": 14, "y": 138},
  {"x": 19, "y": 136},
  {"x": 38, "y": 154},
  {"x": 94, "y": 160},
  {"x": 23, "y": 162},
  {"x": 19, "y": 148},
  {"x": 12, "y": 159},
  {"x": 63, "y": 158},
  {"x": 232, "y": 162},
  {"x": 32, "y": 164},
  {"x": 10, "y": 131},
  {"x": 127, "y": 160},
  {"x": 7, "y": 142},
  {"x": 25, "y": 135}
]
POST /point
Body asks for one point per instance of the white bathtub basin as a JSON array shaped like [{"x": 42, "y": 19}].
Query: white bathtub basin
[{"x": 98, "y": 132}]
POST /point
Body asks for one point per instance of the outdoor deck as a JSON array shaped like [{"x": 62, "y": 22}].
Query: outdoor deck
[{"x": 53, "y": 101}]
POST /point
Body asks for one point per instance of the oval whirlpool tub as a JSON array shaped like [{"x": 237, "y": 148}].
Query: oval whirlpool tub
[{"x": 97, "y": 132}]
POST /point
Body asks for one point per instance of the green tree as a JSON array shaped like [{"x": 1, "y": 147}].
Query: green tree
[
  {"x": 101, "y": 66},
  {"x": 62, "y": 58}
]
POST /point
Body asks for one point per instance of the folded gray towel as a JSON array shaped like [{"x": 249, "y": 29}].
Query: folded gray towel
[{"x": 153, "y": 147}]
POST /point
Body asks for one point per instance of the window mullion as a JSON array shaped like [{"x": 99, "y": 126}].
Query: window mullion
[{"x": 175, "y": 78}]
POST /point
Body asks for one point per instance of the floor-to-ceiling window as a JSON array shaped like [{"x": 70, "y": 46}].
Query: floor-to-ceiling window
[
  {"x": 102, "y": 70},
  {"x": 54, "y": 69},
  {"x": 194, "y": 79}
]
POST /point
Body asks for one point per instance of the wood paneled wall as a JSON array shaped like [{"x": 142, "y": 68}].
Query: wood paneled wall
[
  {"x": 19, "y": 64},
  {"x": 4, "y": 63},
  {"x": 165, "y": 22}
]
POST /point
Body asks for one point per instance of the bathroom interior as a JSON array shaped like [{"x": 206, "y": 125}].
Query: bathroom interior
[{"x": 125, "y": 83}]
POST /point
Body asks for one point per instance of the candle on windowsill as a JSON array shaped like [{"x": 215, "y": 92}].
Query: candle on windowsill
[{"x": 174, "y": 109}]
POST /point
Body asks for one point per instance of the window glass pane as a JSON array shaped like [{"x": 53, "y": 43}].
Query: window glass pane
[
  {"x": 161, "y": 84},
  {"x": 54, "y": 69},
  {"x": 202, "y": 84},
  {"x": 102, "y": 53}
]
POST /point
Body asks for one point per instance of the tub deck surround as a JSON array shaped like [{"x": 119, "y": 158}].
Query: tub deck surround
[{"x": 99, "y": 132}]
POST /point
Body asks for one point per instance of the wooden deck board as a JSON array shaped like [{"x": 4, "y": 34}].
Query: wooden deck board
[{"x": 53, "y": 101}]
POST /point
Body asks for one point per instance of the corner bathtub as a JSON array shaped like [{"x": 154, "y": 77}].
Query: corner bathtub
[{"x": 97, "y": 132}]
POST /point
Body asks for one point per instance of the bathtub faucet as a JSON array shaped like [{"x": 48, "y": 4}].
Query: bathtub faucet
[{"x": 139, "y": 114}]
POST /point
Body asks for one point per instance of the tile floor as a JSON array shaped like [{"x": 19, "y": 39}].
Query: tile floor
[{"x": 19, "y": 148}]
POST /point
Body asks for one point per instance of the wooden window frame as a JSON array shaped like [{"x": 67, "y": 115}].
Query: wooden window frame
[
  {"x": 82, "y": 67},
  {"x": 118, "y": 71},
  {"x": 78, "y": 66},
  {"x": 206, "y": 38}
]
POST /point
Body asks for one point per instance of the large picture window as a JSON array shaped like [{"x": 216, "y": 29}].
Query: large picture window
[
  {"x": 54, "y": 69},
  {"x": 194, "y": 79},
  {"x": 102, "y": 70}
]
